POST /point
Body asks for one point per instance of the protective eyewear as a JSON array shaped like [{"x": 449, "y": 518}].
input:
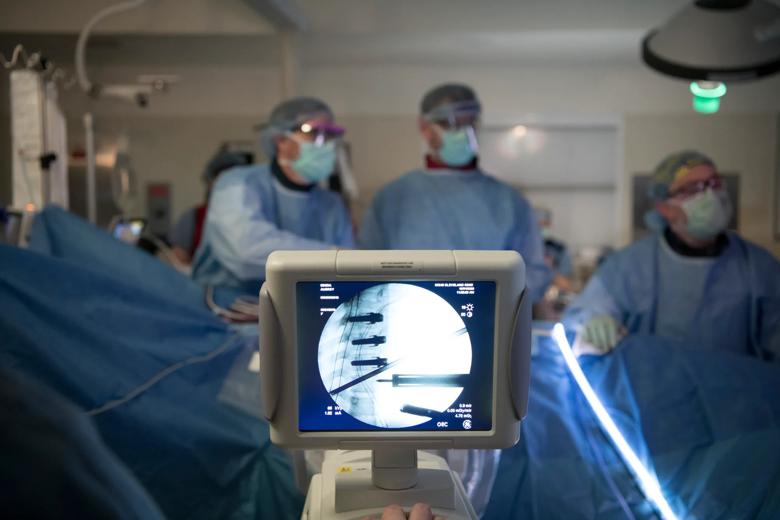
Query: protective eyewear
[
  {"x": 458, "y": 123},
  {"x": 319, "y": 133},
  {"x": 694, "y": 188},
  {"x": 454, "y": 116}
]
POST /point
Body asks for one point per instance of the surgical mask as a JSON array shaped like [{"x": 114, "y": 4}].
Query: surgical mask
[
  {"x": 546, "y": 233},
  {"x": 458, "y": 147},
  {"x": 315, "y": 162},
  {"x": 708, "y": 213}
]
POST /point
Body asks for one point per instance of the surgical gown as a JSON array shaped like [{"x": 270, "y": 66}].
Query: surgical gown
[
  {"x": 448, "y": 209},
  {"x": 54, "y": 463},
  {"x": 730, "y": 302},
  {"x": 251, "y": 214}
]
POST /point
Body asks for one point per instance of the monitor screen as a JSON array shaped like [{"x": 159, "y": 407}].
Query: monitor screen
[
  {"x": 395, "y": 356},
  {"x": 129, "y": 230}
]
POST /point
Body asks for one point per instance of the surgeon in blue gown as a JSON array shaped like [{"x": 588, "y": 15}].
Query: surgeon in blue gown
[
  {"x": 693, "y": 280},
  {"x": 255, "y": 210},
  {"x": 451, "y": 203}
]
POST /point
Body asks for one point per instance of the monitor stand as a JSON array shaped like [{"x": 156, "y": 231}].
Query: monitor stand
[{"x": 356, "y": 484}]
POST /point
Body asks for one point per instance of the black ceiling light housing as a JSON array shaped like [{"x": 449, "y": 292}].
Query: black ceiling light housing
[{"x": 717, "y": 40}]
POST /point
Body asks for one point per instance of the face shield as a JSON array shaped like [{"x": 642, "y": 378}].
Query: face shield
[{"x": 452, "y": 116}]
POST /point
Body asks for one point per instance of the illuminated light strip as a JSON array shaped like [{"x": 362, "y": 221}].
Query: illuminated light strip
[{"x": 649, "y": 484}]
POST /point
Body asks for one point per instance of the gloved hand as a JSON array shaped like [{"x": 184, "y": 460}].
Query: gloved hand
[{"x": 602, "y": 332}]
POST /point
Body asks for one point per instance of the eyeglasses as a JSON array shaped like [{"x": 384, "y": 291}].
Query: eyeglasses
[{"x": 693, "y": 188}]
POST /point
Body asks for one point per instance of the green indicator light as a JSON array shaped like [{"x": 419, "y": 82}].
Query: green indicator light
[
  {"x": 706, "y": 105},
  {"x": 706, "y": 96}
]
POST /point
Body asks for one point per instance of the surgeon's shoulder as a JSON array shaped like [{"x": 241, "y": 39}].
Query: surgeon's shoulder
[
  {"x": 500, "y": 192},
  {"x": 760, "y": 256},
  {"x": 242, "y": 175},
  {"x": 398, "y": 188},
  {"x": 330, "y": 198},
  {"x": 502, "y": 188},
  {"x": 489, "y": 178},
  {"x": 632, "y": 257}
]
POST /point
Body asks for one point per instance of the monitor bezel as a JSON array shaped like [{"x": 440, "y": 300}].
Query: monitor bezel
[{"x": 279, "y": 340}]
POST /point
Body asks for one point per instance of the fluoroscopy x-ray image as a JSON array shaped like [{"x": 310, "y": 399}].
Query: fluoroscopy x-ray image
[{"x": 394, "y": 355}]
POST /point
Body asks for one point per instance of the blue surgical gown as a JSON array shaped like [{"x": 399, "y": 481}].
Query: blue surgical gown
[
  {"x": 731, "y": 302},
  {"x": 251, "y": 215},
  {"x": 448, "y": 209}
]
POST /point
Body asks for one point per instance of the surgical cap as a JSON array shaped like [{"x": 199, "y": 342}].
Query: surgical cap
[
  {"x": 673, "y": 168},
  {"x": 223, "y": 160},
  {"x": 287, "y": 116},
  {"x": 446, "y": 100}
]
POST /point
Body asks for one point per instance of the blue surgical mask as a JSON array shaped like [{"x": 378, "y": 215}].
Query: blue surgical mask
[
  {"x": 458, "y": 147},
  {"x": 315, "y": 162},
  {"x": 708, "y": 213}
]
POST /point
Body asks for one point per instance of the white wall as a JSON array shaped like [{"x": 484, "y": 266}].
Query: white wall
[{"x": 569, "y": 169}]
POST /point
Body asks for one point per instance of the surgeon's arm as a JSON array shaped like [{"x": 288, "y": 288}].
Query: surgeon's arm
[
  {"x": 595, "y": 300},
  {"x": 241, "y": 236},
  {"x": 595, "y": 316}
]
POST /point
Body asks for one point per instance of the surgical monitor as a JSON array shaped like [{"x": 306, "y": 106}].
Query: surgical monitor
[
  {"x": 393, "y": 351},
  {"x": 395, "y": 348}
]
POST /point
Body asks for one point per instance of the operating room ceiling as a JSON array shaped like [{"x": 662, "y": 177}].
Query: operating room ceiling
[{"x": 535, "y": 32}]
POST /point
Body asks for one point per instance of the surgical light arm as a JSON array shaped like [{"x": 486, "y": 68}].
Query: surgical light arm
[{"x": 137, "y": 93}]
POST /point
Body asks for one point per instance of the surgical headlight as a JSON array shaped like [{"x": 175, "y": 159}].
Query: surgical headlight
[{"x": 319, "y": 133}]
